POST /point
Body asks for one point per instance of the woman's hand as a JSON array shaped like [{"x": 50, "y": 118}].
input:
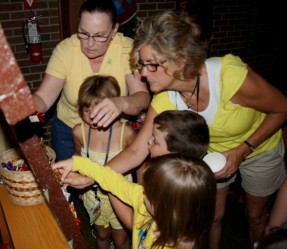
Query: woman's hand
[
  {"x": 106, "y": 111},
  {"x": 233, "y": 159},
  {"x": 78, "y": 181}
]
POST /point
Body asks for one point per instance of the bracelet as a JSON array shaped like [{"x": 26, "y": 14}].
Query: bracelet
[{"x": 250, "y": 146}]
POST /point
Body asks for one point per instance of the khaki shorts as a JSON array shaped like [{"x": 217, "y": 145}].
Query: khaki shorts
[{"x": 263, "y": 174}]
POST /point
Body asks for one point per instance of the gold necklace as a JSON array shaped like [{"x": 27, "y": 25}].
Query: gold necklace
[{"x": 187, "y": 99}]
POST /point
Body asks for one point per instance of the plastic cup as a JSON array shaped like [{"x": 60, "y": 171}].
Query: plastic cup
[{"x": 215, "y": 160}]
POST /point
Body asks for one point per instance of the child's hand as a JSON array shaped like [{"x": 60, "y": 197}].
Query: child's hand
[{"x": 65, "y": 166}]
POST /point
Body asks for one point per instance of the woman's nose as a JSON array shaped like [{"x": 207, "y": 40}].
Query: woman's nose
[
  {"x": 144, "y": 72},
  {"x": 91, "y": 41}
]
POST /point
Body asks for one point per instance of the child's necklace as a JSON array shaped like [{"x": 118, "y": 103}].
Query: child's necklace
[{"x": 143, "y": 234}]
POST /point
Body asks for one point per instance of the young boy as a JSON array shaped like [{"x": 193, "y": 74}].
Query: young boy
[{"x": 183, "y": 132}]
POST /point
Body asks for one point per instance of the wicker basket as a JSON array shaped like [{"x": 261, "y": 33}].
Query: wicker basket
[
  {"x": 21, "y": 185},
  {"x": 50, "y": 154}
]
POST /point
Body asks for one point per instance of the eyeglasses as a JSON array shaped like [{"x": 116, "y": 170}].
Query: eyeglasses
[
  {"x": 151, "y": 67},
  {"x": 96, "y": 38}
]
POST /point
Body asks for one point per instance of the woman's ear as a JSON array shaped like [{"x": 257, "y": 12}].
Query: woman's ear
[
  {"x": 115, "y": 29},
  {"x": 181, "y": 63}
]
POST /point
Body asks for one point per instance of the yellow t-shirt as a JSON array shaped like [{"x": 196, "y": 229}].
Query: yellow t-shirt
[
  {"x": 129, "y": 192},
  {"x": 231, "y": 124},
  {"x": 69, "y": 63}
]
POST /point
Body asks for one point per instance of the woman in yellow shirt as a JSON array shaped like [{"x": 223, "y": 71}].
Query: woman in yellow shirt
[{"x": 96, "y": 48}]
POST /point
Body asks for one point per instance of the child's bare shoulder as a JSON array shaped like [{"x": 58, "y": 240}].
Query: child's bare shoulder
[
  {"x": 77, "y": 129},
  {"x": 129, "y": 133}
]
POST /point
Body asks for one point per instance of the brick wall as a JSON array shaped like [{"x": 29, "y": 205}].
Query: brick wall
[
  {"x": 12, "y": 15},
  {"x": 256, "y": 31},
  {"x": 251, "y": 29},
  {"x": 150, "y": 7}
]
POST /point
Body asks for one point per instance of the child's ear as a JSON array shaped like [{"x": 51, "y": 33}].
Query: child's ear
[{"x": 156, "y": 232}]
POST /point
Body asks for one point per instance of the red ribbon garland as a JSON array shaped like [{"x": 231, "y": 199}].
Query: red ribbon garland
[{"x": 40, "y": 116}]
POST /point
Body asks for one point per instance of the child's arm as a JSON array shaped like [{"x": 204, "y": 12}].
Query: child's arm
[
  {"x": 107, "y": 178},
  {"x": 77, "y": 138},
  {"x": 137, "y": 152},
  {"x": 124, "y": 212}
]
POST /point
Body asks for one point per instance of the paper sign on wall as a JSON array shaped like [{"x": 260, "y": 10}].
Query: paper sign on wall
[{"x": 30, "y": 4}]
